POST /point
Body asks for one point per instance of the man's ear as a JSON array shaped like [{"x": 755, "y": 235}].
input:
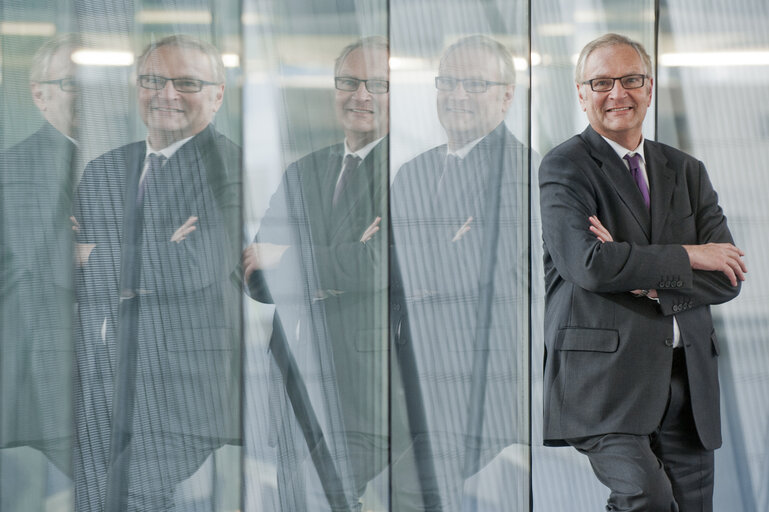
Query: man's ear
[
  {"x": 651, "y": 90},
  {"x": 582, "y": 102},
  {"x": 219, "y": 92},
  {"x": 507, "y": 99},
  {"x": 38, "y": 96}
]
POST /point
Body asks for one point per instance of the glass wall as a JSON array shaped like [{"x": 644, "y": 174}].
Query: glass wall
[{"x": 326, "y": 292}]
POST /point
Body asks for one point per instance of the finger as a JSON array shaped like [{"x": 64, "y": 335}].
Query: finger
[{"x": 729, "y": 272}]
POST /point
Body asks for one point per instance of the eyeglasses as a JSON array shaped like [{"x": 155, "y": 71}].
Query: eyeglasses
[
  {"x": 373, "y": 85},
  {"x": 607, "y": 84},
  {"x": 68, "y": 84},
  {"x": 156, "y": 83},
  {"x": 449, "y": 83}
]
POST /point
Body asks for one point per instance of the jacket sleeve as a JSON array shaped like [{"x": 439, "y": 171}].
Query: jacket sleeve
[{"x": 567, "y": 199}]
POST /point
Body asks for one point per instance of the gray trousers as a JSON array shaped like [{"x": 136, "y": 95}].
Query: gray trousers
[{"x": 667, "y": 471}]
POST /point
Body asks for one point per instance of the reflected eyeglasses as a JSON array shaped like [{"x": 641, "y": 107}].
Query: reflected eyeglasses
[
  {"x": 607, "y": 84},
  {"x": 474, "y": 85},
  {"x": 156, "y": 83},
  {"x": 68, "y": 84},
  {"x": 373, "y": 85}
]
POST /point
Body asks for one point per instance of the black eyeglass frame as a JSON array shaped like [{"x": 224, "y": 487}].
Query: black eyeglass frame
[
  {"x": 467, "y": 84},
  {"x": 357, "y": 81},
  {"x": 162, "y": 81},
  {"x": 622, "y": 80},
  {"x": 73, "y": 87}
]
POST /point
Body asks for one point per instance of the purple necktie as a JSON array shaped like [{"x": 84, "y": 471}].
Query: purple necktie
[
  {"x": 350, "y": 164},
  {"x": 635, "y": 169},
  {"x": 156, "y": 161}
]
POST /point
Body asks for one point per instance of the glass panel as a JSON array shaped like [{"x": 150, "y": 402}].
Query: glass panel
[
  {"x": 714, "y": 83},
  {"x": 39, "y": 97},
  {"x": 317, "y": 375},
  {"x": 460, "y": 271},
  {"x": 157, "y": 392},
  {"x": 562, "y": 478}
]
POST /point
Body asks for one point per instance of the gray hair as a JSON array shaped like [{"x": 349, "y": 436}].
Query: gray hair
[
  {"x": 366, "y": 43},
  {"x": 607, "y": 40},
  {"x": 188, "y": 42},
  {"x": 42, "y": 58},
  {"x": 482, "y": 42}
]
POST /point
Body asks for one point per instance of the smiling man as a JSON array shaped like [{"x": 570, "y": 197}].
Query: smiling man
[
  {"x": 36, "y": 177},
  {"x": 158, "y": 359},
  {"x": 458, "y": 216},
  {"x": 637, "y": 249},
  {"x": 320, "y": 256}
]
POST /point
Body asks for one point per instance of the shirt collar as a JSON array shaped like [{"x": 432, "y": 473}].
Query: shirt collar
[
  {"x": 464, "y": 150},
  {"x": 168, "y": 151},
  {"x": 622, "y": 151},
  {"x": 363, "y": 152}
]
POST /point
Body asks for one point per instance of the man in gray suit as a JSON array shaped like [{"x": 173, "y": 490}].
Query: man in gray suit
[
  {"x": 36, "y": 347},
  {"x": 636, "y": 251},
  {"x": 458, "y": 280},
  {"x": 321, "y": 257},
  {"x": 159, "y": 232}
]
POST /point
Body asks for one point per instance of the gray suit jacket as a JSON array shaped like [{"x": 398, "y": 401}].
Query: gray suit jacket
[
  {"x": 188, "y": 317},
  {"x": 330, "y": 292},
  {"x": 608, "y": 353},
  {"x": 36, "y": 348}
]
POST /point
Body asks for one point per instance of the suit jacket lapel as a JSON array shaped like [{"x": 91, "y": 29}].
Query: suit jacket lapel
[
  {"x": 661, "y": 186},
  {"x": 619, "y": 176}
]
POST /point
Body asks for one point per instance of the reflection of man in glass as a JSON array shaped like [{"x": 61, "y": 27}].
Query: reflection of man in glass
[
  {"x": 36, "y": 348},
  {"x": 158, "y": 308},
  {"x": 320, "y": 255},
  {"x": 460, "y": 232},
  {"x": 636, "y": 250}
]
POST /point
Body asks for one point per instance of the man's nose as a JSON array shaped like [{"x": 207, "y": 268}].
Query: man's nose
[
  {"x": 361, "y": 92},
  {"x": 618, "y": 89},
  {"x": 168, "y": 90},
  {"x": 459, "y": 91}
]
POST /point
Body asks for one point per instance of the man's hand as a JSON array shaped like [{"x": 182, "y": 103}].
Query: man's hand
[
  {"x": 373, "y": 228},
  {"x": 598, "y": 229},
  {"x": 75, "y": 224},
  {"x": 184, "y": 230},
  {"x": 261, "y": 256},
  {"x": 82, "y": 253},
  {"x": 463, "y": 229},
  {"x": 720, "y": 257}
]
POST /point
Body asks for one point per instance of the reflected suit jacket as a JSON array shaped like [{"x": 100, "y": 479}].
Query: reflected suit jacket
[
  {"x": 188, "y": 319},
  {"x": 608, "y": 353},
  {"x": 36, "y": 349},
  {"x": 330, "y": 292},
  {"x": 438, "y": 308}
]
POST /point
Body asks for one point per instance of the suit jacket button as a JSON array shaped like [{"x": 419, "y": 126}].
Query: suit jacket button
[
  {"x": 676, "y": 309},
  {"x": 668, "y": 342},
  {"x": 662, "y": 284},
  {"x": 667, "y": 284},
  {"x": 679, "y": 283}
]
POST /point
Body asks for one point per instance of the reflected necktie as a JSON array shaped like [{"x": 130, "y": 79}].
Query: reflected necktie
[
  {"x": 350, "y": 164},
  {"x": 156, "y": 161},
  {"x": 635, "y": 169}
]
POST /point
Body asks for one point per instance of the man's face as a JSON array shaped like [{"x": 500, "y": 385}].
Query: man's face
[
  {"x": 617, "y": 114},
  {"x": 467, "y": 116},
  {"x": 363, "y": 115},
  {"x": 57, "y": 106},
  {"x": 171, "y": 115}
]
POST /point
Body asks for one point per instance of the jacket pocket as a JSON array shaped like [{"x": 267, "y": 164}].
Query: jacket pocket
[{"x": 589, "y": 340}]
